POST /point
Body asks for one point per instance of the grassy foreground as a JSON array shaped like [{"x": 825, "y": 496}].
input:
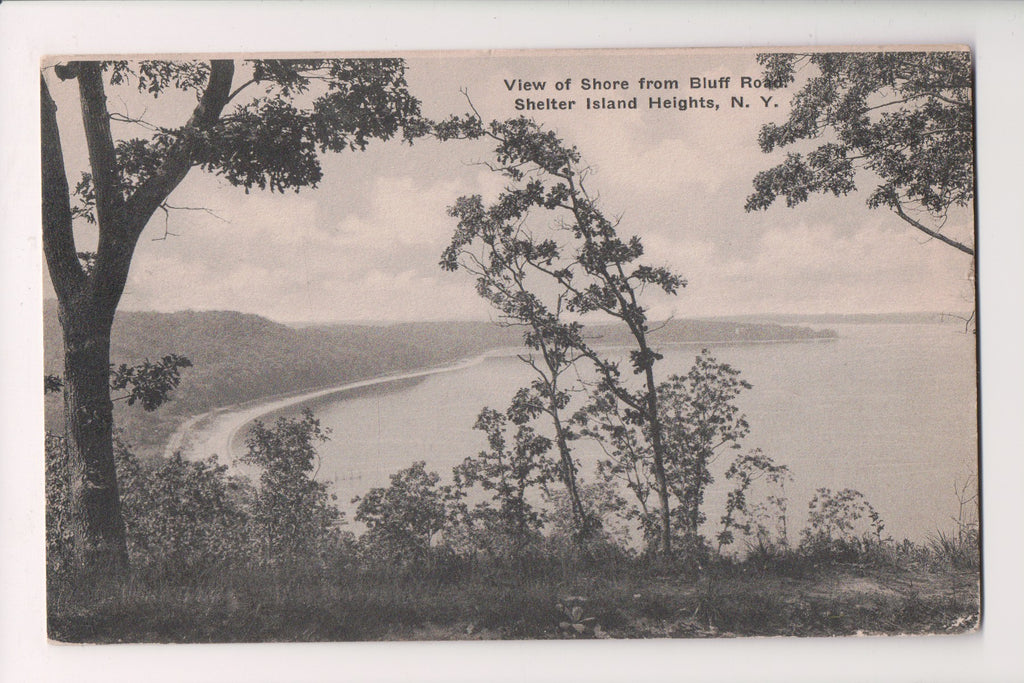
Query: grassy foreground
[{"x": 546, "y": 599}]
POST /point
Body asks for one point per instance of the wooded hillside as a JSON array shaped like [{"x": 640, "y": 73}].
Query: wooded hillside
[{"x": 240, "y": 357}]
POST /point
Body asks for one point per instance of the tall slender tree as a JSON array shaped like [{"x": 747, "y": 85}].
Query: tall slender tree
[
  {"x": 583, "y": 255},
  {"x": 264, "y": 129},
  {"x": 499, "y": 256}
]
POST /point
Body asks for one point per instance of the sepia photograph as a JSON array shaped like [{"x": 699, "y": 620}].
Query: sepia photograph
[{"x": 549, "y": 344}]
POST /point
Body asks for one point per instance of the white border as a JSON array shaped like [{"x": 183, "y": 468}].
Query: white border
[{"x": 29, "y": 31}]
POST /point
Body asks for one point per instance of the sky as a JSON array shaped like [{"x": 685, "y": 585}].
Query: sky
[{"x": 365, "y": 245}]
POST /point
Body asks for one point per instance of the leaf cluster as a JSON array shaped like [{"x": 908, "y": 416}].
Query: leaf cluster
[
  {"x": 906, "y": 117},
  {"x": 149, "y": 383}
]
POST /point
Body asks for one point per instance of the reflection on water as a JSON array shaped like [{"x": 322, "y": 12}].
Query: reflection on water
[{"x": 889, "y": 410}]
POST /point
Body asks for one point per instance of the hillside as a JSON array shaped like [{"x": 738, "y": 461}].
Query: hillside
[{"x": 239, "y": 357}]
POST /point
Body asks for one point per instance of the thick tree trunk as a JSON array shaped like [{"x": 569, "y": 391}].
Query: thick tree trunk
[{"x": 95, "y": 505}]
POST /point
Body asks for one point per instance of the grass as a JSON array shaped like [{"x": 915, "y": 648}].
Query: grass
[{"x": 626, "y": 599}]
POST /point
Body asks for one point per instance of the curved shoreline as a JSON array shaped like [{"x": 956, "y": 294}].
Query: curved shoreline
[
  {"x": 213, "y": 432},
  {"x": 199, "y": 441}
]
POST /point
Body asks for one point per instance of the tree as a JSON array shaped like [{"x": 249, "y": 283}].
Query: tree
[
  {"x": 266, "y": 132},
  {"x": 294, "y": 514},
  {"x": 499, "y": 256},
  {"x": 906, "y": 118},
  {"x": 510, "y": 468},
  {"x": 699, "y": 418},
  {"x": 582, "y": 255},
  {"x": 402, "y": 519}
]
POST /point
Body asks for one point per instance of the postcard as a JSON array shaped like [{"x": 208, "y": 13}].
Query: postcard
[{"x": 594, "y": 344}]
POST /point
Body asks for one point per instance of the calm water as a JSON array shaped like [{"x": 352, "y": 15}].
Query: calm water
[{"x": 889, "y": 410}]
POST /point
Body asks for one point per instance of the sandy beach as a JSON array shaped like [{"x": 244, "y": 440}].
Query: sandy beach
[{"x": 213, "y": 433}]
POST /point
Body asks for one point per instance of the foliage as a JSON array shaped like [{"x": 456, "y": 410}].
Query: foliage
[
  {"x": 149, "y": 383},
  {"x": 59, "y": 538},
  {"x": 266, "y": 133},
  {"x": 905, "y": 118},
  {"x": 297, "y": 108},
  {"x": 841, "y": 524},
  {"x": 183, "y": 516},
  {"x": 293, "y": 513},
  {"x": 52, "y": 384},
  {"x": 700, "y": 417},
  {"x": 513, "y": 465},
  {"x": 610, "y": 511},
  {"x": 402, "y": 519},
  {"x": 627, "y": 460},
  {"x": 755, "y": 519},
  {"x": 500, "y": 254}
]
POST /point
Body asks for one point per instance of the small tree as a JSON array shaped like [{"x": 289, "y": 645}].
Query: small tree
[
  {"x": 701, "y": 418},
  {"x": 293, "y": 513},
  {"x": 499, "y": 252},
  {"x": 510, "y": 468},
  {"x": 402, "y": 519}
]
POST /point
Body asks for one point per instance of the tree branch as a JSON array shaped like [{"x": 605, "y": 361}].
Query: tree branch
[
  {"x": 152, "y": 193},
  {"x": 102, "y": 157},
  {"x": 66, "y": 271},
  {"x": 931, "y": 233}
]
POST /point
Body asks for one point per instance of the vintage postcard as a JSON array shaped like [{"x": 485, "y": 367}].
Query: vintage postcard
[{"x": 510, "y": 345}]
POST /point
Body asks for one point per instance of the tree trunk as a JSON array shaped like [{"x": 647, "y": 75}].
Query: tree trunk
[
  {"x": 95, "y": 505},
  {"x": 657, "y": 445},
  {"x": 582, "y": 522}
]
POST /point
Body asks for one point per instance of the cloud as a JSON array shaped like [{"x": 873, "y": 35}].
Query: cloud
[{"x": 365, "y": 244}]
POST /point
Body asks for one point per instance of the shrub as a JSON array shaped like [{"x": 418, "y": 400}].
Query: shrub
[
  {"x": 842, "y": 526},
  {"x": 182, "y": 516}
]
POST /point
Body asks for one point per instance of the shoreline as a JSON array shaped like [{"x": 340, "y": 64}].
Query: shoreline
[
  {"x": 198, "y": 441},
  {"x": 213, "y": 432}
]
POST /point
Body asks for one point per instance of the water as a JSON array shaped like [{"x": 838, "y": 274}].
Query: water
[{"x": 889, "y": 410}]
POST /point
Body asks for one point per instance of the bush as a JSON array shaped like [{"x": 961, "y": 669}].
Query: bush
[
  {"x": 183, "y": 516},
  {"x": 842, "y": 526}
]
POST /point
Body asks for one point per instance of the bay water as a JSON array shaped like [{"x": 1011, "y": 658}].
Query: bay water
[{"x": 887, "y": 409}]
